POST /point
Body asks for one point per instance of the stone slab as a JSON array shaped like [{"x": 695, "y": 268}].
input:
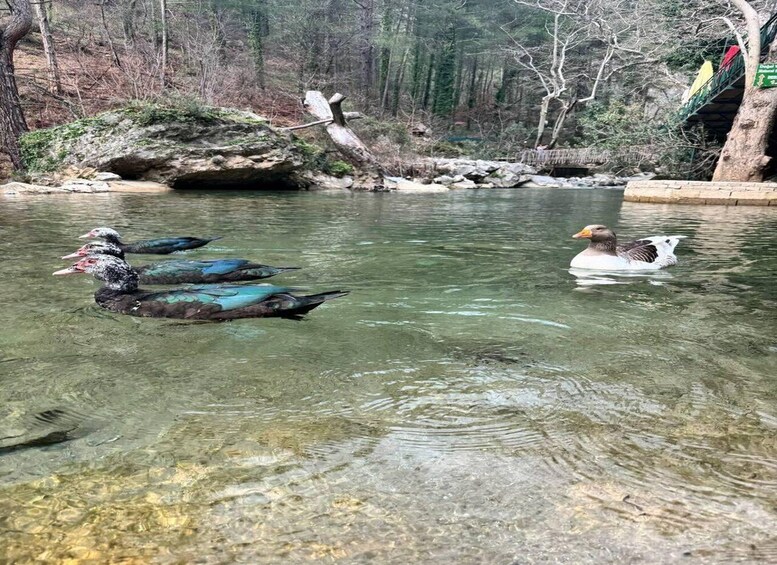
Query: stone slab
[
  {"x": 137, "y": 186},
  {"x": 701, "y": 192}
]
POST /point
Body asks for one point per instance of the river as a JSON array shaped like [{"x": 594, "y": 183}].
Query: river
[{"x": 471, "y": 400}]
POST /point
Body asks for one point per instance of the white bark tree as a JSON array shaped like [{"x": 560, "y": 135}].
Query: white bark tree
[{"x": 591, "y": 40}]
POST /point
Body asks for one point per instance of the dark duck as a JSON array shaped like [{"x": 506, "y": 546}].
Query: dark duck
[
  {"x": 161, "y": 246},
  {"x": 120, "y": 293},
  {"x": 183, "y": 271}
]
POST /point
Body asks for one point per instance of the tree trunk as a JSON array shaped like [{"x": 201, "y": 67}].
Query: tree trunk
[
  {"x": 543, "y": 119},
  {"x": 566, "y": 107},
  {"x": 163, "y": 63},
  {"x": 256, "y": 41},
  {"x": 398, "y": 80},
  {"x": 12, "y": 122},
  {"x": 55, "y": 84},
  {"x": 428, "y": 83},
  {"x": 472, "y": 94},
  {"x": 744, "y": 157},
  {"x": 367, "y": 24},
  {"x": 109, "y": 39},
  {"x": 128, "y": 23}
]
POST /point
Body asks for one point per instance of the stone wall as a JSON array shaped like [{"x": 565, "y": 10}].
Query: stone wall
[{"x": 700, "y": 192}]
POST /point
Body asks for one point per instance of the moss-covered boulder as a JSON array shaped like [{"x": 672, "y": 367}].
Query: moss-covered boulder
[{"x": 181, "y": 146}]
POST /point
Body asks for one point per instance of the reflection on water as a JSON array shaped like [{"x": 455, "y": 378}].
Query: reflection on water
[
  {"x": 472, "y": 401},
  {"x": 592, "y": 277}
]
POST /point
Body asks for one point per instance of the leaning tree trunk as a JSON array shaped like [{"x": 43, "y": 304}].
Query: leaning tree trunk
[
  {"x": 543, "y": 120},
  {"x": 12, "y": 122},
  {"x": 744, "y": 156},
  {"x": 566, "y": 108},
  {"x": 346, "y": 141}
]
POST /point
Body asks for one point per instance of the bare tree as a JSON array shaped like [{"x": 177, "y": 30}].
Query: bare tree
[
  {"x": 12, "y": 122},
  {"x": 609, "y": 32}
]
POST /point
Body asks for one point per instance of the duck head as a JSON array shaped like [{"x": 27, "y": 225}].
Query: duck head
[
  {"x": 108, "y": 234},
  {"x": 114, "y": 272},
  {"x": 596, "y": 233},
  {"x": 96, "y": 248}
]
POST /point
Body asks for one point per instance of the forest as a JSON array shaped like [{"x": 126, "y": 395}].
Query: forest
[{"x": 489, "y": 77}]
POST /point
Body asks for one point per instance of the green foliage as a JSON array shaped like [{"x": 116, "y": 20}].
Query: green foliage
[
  {"x": 445, "y": 95},
  {"x": 338, "y": 168},
  {"x": 680, "y": 153},
  {"x": 34, "y": 147},
  {"x": 308, "y": 150},
  {"x": 372, "y": 130},
  {"x": 42, "y": 150},
  {"x": 171, "y": 109},
  {"x": 443, "y": 148},
  {"x": 615, "y": 125}
]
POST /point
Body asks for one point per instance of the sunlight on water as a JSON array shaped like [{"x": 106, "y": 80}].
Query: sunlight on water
[{"x": 471, "y": 400}]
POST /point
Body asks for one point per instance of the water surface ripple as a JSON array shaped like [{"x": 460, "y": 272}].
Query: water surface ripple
[{"x": 471, "y": 401}]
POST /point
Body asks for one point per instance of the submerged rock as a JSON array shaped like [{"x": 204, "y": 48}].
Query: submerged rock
[{"x": 204, "y": 147}]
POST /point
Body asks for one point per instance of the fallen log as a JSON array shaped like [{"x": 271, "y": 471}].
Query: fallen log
[{"x": 330, "y": 112}]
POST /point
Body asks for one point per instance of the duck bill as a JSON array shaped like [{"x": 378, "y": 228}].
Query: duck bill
[
  {"x": 74, "y": 255},
  {"x": 85, "y": 236},
  {"x": 71, "y": 270},
  {"x": 585, "y": 233}
]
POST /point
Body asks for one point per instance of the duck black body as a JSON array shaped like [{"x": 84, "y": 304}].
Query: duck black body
[
  {"x": 162, "y": 246},
  {"x": 183, "y": 271},
  {"x": 207, "y": 302}
]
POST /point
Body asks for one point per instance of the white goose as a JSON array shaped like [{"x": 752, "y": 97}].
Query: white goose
[{"x": 604, "y": 253}]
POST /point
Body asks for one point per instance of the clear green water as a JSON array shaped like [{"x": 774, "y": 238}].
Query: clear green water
[{"x": 469, "y": 402}]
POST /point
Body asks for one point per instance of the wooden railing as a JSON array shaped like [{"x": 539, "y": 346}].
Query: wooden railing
[
  {"x": 725, "y": 78},
  {"x": 585, "y": 156}
]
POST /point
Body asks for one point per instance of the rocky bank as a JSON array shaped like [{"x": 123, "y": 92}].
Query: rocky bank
[
  {"x": 214, "y": 147},
  {"x": 204, "y": 147}
]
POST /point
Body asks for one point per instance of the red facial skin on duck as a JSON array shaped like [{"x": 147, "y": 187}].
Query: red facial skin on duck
[
  {"x": 80, "y": 252},
  {"x": 80, "y": 267}
]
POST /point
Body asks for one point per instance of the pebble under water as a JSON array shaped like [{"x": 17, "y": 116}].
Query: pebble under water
[{"x": 471, "y": 400}]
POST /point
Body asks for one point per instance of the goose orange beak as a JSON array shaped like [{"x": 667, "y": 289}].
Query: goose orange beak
[{"x": 584, "y": 233}]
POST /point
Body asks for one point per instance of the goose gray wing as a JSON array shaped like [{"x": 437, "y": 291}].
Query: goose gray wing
[{"x": 643, "y": 250}]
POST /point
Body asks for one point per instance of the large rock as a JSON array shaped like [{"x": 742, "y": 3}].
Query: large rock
[
  {"x": 14, "y": 188},
  {"x": 183, "y": 148},
  {"x": 506, "y": 179},
  {"x": 322, "y": 181},
  {"x": 413, "y": 187},
  {"x": 473, "y": 173},
  {"x": 85, "y": 185}
]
